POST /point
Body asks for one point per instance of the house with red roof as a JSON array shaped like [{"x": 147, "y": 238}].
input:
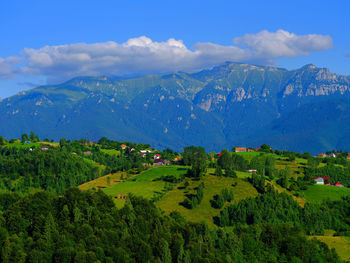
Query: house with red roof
[
  {"x": 322, "y": 155},
  {"x": 156, "y": 156},
  {"x": 321, "y": 180},
  {"x": 338, "y": 184},
  {"x": 44, "y": 148},
  {"x": 240, "y": 149},
  {"x": 123, "y": 146}
]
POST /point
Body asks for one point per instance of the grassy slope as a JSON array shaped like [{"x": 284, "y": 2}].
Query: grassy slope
[
  {"x": 111, "y": 151},
  {"x": 213, "y": 185},
  {"x": 102, "y": 182},
  {"x": 340, "y": 244},
  {"x": 296, "y": 167},
  {"x": 143, "y": 184},
  {"x": 317, "y": 193},
  {"x": 250, "y": 155}
]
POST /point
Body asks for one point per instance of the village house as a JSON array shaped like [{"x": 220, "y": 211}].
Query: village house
[
  {"x": 251, "y": 171},
  {"x": 240, "y": 149},
  {"x": 319, "y": 180},
  {"x": 119, "y": 196},
  {"x": 251, "y": 150},
  {"x": 158, "y": 162},
  {"x": 156, "y": 156},
  {"x": 177, "y": 159},
  {"x": 145, "y": 151},
  {"x": 123, "y": 146},
  {"x": 322, "y": 180},
  {"x": 44, "y": 148},
  {"x": 130, "y": 150},
  {"x": 322, "y": 155},
  {"x": 338, "y": 184}
]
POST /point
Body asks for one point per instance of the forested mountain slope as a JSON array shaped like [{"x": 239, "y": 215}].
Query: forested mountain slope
[{"x": 231, "y": 104}]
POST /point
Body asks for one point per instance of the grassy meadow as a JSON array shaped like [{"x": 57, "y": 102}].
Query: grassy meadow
[
  {"x": 144, "y": 184},
  {"x": 318, "y": 193},
  {"x": 340, "y": 243}
]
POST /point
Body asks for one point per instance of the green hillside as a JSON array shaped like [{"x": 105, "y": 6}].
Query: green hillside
[{"x": 319, "y": 193}]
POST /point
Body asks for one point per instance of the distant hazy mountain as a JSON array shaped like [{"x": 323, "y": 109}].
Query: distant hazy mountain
[{"x": 233, "y": 104}]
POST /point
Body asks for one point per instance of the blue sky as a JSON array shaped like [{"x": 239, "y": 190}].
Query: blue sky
[{"x": 52, "y": 41}]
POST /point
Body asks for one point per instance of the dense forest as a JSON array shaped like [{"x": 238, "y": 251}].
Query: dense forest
[
  {"x": 87, "y": 227},
  {"x": 53, "y": 170}
]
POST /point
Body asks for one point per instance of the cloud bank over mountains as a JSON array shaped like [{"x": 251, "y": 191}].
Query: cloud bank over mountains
[{"x": 143, "y": 56}]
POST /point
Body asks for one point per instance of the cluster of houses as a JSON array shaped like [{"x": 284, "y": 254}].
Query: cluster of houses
[
  {"x": 325, "y": 181},
  {"x": 249, "y": 149},
  {"x": 245, "y": 149},
  {"x": 331, "y": 155},
  {"x": 156, "y": 157},
  {"x": 44, "y": 147}
]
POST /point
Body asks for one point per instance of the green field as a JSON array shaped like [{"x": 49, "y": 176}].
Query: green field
[
  {"x": 103, "y": 181},
  {"x": 250, "y": 155},
  {"x": 143, "y": 184},
  {"x": 318, "y": 193},
  {"x": 204, "y": 211},
  {"x": 24, "y": 145},
  {"x": 339, "y": 243},
  {"x": 111, "y": 151}
]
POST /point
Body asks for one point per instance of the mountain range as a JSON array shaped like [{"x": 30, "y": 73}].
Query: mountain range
[{"x": 233, "y": 104}]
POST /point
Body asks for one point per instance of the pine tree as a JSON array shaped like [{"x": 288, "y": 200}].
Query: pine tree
[{"x": 218, "y": 170}]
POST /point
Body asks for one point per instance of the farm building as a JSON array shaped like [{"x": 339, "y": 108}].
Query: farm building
[
  {"x": 240, "y": 149},
  {"x": 251, "y": 171},
  {"x": 145, "y": 151},
  {"x": 319, "y": 180},
  {"x": 156, "y": 156},
  {"x": 158, "y": 162},
  {"x": 44, "y": 148}
]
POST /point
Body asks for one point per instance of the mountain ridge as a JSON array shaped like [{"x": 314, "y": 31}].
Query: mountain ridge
[{"x": 230, "y": 104}]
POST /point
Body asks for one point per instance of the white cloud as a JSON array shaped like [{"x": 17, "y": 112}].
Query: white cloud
[
  {"x": 274, "y": 45},
  {"x": 142, "y": 55},
  {"x": 7, "y": 67}
]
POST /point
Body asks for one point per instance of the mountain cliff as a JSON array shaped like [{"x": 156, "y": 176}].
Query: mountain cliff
[{"x": 231, "y": 104}]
